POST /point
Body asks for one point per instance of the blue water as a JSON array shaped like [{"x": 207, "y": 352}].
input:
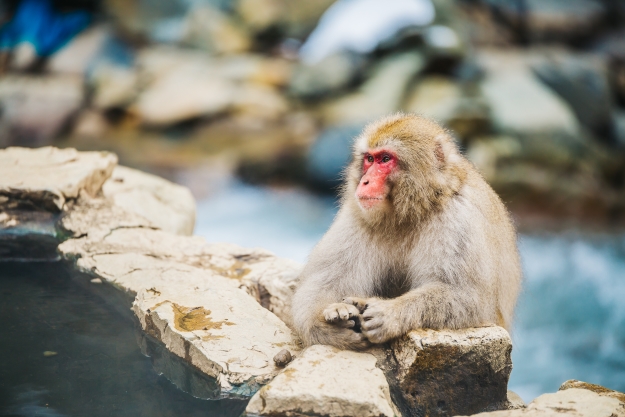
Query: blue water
[{"x": 570, "y": 317}]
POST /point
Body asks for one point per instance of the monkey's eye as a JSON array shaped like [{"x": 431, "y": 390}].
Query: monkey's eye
[
  {"x": 386, "y": 158},
  {"x": 370, "y": 159}
]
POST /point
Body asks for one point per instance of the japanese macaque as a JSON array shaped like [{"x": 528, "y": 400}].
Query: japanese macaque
[{"x": 420, "y": 241}]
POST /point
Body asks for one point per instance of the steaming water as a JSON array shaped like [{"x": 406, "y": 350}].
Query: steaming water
[{"x": 570, "y": 318}]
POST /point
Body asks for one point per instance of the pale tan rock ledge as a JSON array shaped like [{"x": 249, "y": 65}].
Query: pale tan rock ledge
[
  {"x": 51, "y": 178},
  {"x": 574, "y": 399},
  {"x": 429, "y": 373}
]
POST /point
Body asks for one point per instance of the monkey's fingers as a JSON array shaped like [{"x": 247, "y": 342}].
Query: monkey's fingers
[
  {"x": 331, "y": 315},
  {"x": 375, "y": 336},
  {"x": 339, "y": 311},
  {"x": 371, "y": 324},
  {"x": 346, "y": 324},
  {"x": 359, "y": 303},
  {"x": 369, "y": 314}
]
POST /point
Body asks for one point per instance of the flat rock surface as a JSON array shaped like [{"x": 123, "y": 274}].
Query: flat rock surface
[
  {"x": 207, "y": 320},
  {"x": 574, "y": 402},
  {"x": 451, "y": 372},
  {"x": 325, "y": 381},
  {"x": 598, "y": 389},
  {"x": 169, "y": 206},
  {"x": 48, "y": 177},
  {"x": 269, "y": 279}
]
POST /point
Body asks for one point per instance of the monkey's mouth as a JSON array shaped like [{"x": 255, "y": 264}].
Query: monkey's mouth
[{"x": 369, "y": 202}]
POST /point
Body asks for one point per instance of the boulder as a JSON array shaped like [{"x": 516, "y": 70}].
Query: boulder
[
  {"x": 325, "y": 381},
  {"x": 90, "y": 124},
  {"x": 254, "y": 68},
  {"x": 515, "y": 402},
  {"x": 381, "y": 94},
  {"x": 214, "y": 31},
  {"x": 51, "y": 178},
  {"x": 113, "y": 85},
  {"x": 293, "y": 19},
  {"x": 36, "y": 108},
  {"x": 520, "y": 104},
  {"x": 80, "y": 52},
  {"x": 260, "y": 102},
  {"x": 619, "y": 128},
  {"x": 598, "y": 389},
  {"x": 165, "y": 205},
  {"x": 186, "y": 90},
  {"x": 377, "y": 23},
  {"x": 549, "y": 20},
  {"x": 486, "y": 153},
  {"x": 451, "y": 372},
  {"x": 330, "y": 76},
  {"x": 140, "y": 19},
  {"x": 574, "y": 401},
  {"x": 612, "y": 49},
  {"x": 260, "y": 15},
  {"x": 446, "y": 101},
  {"x": 182, "y": 85},
  {"x": 330, "y": 154},
  {"x": 582, "y": 81}
]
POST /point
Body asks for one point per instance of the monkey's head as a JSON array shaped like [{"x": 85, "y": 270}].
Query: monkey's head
[{"x": 404, "y": 167}]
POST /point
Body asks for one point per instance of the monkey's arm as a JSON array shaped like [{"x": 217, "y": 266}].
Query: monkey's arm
[
  {"x": 434, "y": 305},
  {"x": 340, "y": 265},
  {"x": 319, "y": 319}
]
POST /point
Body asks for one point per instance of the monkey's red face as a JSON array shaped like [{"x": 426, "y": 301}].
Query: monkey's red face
[{"x": 373, "y": 187}]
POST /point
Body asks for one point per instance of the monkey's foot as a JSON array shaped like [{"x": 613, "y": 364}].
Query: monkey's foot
[{"x": 342, "y": 314}]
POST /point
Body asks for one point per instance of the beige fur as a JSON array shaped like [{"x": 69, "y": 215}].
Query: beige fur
[{"x": 440, "y": 252}]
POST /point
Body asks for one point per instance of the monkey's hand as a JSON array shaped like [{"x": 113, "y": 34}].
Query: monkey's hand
[
  {"x": 359, "y": 303},
  {"x": 345, "y": 315},
  {"x": 380, "y": 321}
]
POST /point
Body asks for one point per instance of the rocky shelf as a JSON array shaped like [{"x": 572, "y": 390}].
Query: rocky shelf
[{"x": 224, "y": 310}]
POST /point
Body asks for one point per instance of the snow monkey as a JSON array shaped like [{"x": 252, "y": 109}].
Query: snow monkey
[{"x": 420, "y": 241}]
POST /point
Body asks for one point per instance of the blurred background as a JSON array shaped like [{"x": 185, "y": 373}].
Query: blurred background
[{"x": 253, "y": 104}]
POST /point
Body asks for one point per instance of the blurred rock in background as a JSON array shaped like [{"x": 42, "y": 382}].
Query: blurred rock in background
[{"x": 534, "y": 90}]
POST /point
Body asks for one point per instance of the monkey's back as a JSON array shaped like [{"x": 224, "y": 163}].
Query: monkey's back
[{"x": 501, "y": 244}]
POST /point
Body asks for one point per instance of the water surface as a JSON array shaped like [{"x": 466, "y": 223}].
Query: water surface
[{"x": 98, "y": 368}]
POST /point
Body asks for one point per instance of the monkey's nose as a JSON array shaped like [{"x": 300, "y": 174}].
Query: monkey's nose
[{"x": 366, "y": 182}]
